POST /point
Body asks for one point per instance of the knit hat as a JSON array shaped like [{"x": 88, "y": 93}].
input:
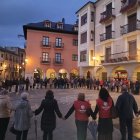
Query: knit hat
[{"x": 24, "y": 95}]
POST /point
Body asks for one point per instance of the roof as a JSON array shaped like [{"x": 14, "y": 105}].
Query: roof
[
  {"x": 67, "y": 28},
  {"x": 7, "y": 51},
  {"x": 90, "y": 2}
]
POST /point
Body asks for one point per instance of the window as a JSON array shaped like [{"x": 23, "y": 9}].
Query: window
[
  {"x": 47, "y": 24},
  {"x": 45, "y": 56},
  {"x": 83, "y": 55},
  {"x": 59, "y": 25},
  {"x": 92, "y": 36},
  {"x": 75, "y": 42},
  {"x": 107, "y": 54},
  {"x": 2, "y": 55},
  {"x": 58, "y": 42},
  {"x": 58, "y": 57},
  {"x": 92, "y": 16},
  {"x": 132, "y": 49},
  {"x": 74, "y": 57},
  {"x": 45, "y": 41},
  {"x": 84, "y": 19},
  {"x": 84, "y": 37},
  {"x": 75, "y": 28}
]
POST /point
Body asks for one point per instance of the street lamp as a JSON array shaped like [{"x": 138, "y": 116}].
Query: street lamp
[{"x": 26, "y": 60}]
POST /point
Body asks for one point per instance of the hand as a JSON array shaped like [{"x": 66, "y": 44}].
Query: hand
[
  {"x": 63, "y": 118},
  {"x": 137, "y": 114}
]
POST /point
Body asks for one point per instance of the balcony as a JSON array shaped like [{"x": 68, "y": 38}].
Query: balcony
[
  {"x": 45, "y": 60},
  {"x": 46, "y": 45},
  {"x": 106, "y": 36},
  {"x": 107, "y": 15},
  {"x": 128, "y": 5},
  {"x": 130, "y": 27},
  {"x": 121, "y": 57},
  {"x": 58, "y": 61},
  {"x": 59, "y": 46}
]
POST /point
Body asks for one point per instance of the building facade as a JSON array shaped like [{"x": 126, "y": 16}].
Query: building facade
[
  {"x": 10, "y": 65},
  {"x": 117, "y": 39},
  {"x": 86, "y": 44},
  {"x": 51, "y": 49}
]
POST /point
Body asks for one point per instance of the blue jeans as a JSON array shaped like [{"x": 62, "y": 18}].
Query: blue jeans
[{"x": 81, "y": 129}]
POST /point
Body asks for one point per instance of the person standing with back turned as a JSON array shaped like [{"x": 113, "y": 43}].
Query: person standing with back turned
[
  {"x": 50, "y": 108},
  {"x": 126, "y": 105}
]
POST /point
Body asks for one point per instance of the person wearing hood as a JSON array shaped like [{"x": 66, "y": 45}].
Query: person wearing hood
[
  {"x": 50, "y": 108},
  {"x": 5, "y": 111},
  {"x": 22, "y": 116}
]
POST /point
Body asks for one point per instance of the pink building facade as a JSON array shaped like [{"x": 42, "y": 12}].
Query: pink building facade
[{"x": 51, "y": 49}]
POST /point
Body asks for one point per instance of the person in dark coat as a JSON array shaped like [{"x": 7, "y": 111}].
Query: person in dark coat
[
  {"x": 126, "y": 105},
  {"x": 50, "y": 108}
]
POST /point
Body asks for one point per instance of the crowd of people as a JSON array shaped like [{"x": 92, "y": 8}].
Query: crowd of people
[
  {"x": 113, "y": 85},
  {"x": 126, "y": 107}
]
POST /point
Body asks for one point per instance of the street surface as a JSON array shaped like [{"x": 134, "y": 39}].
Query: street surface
[{"x": 66, "y": 129}]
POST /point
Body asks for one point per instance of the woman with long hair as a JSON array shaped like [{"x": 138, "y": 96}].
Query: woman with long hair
[{"x": 103, "y": 108}]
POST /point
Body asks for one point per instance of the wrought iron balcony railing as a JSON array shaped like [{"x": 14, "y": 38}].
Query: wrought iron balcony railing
[
  {"x": 106, "y": 36},
  {"x": 46, "y": 44},
  {"x": 45, "y": 60},
  {"x": 127, "y": 5},
  {"x": 121, "y": 57},
  {"x": 107, "y": 15},
  {"x": 130, "y": 27},
  {"x": 58, "y": 61},
  {"x": 58, "y": 45}
]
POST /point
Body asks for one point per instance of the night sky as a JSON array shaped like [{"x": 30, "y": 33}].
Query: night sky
[{"x": 16, "y": 13}]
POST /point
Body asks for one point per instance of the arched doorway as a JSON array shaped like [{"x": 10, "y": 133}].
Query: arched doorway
[
  {"x": 119, "y": 73},
  {"x": 101, "y": 74},
  {"x": 136, "y": 74},
  {"x": 38, "y": 73},
  {"x": 74, "y": 73},
  {"x": 63, "y": 73},
  {"x": 51, "y": 73}
]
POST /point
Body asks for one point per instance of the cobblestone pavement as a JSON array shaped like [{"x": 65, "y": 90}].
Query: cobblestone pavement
[{"x": 66, "y": 130}]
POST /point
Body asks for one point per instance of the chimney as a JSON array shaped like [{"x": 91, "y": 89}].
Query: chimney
[{"x": 63, "y": 20}]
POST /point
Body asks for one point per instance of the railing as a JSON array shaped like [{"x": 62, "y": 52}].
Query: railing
[
  {"x": 58, "y": 45},
  {"x": 45, "y": 60},
  {"x": 45, "y": 44},
  {"x": 106, "y": 36},
  {"x": 127, "y": 4},
  {"x": 107, "y": 15},
  {"x": 58, "y": 61},
  {"x": 121, "y": 57},
  {"x": 130, "y": 27}
]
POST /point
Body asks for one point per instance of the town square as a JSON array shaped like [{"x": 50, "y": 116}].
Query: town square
[{"x": 70, "y": 70}]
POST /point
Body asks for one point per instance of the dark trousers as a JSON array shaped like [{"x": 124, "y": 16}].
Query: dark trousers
[
  {"x": 3, "y": 127},
  {"x": 22, "y": 135},
  {"x": 81, "y": 129},
  {"x": 126, "y": 124},
  {"x": 48, "y": 135}
]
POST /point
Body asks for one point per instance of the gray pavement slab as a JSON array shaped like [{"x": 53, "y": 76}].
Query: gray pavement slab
[{"x": 66, "y": 130}]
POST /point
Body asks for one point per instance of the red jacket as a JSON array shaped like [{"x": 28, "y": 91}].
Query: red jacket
[
  {"x": 80, "y": 110},
  {"x": 104, "y": 108}
]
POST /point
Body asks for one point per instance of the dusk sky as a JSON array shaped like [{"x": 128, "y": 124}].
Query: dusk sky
[{"x": 16, "y": 13}]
